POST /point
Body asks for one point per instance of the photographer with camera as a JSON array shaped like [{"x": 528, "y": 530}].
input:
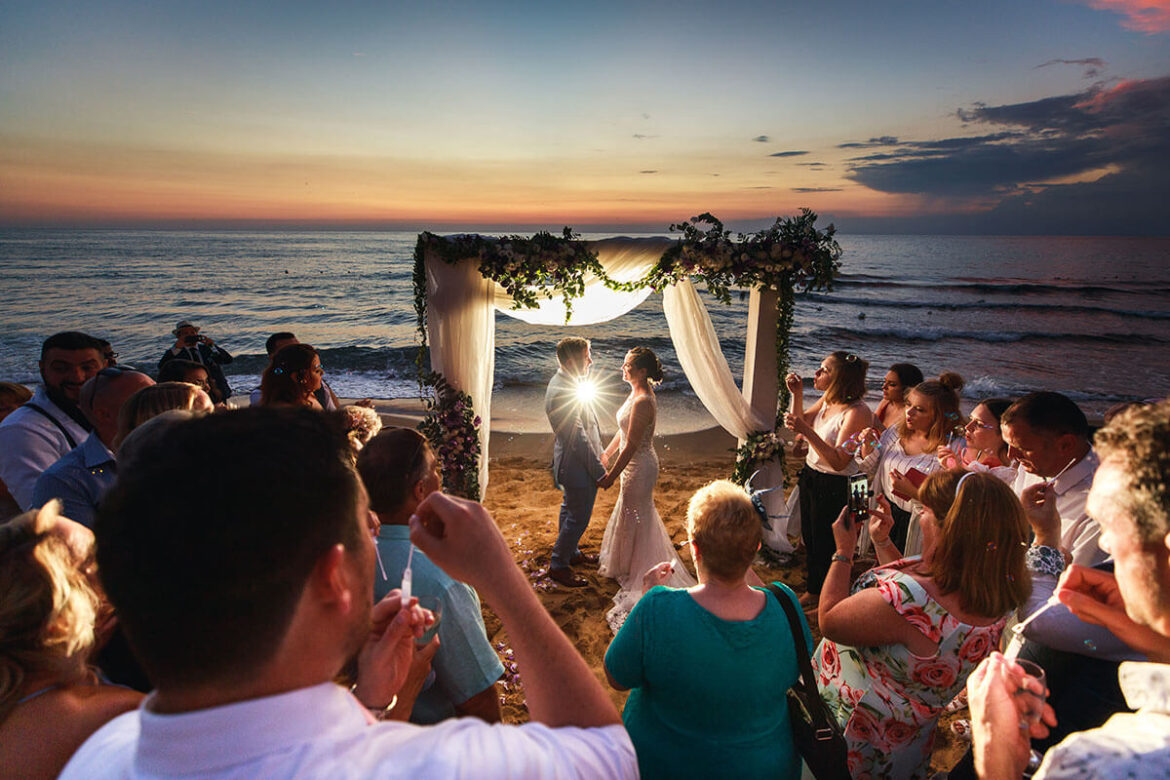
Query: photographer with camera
[{"x": 190, "y": 345}]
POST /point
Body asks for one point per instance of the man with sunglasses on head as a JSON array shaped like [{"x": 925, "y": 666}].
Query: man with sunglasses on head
[
  {"x": 37, "y": 434},
  {"x": 83, "y": 475}
]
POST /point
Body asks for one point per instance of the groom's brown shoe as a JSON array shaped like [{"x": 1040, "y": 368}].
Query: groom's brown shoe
[
  {"x": 565, "y": 576},
  {"x": 584, "y": 557}
]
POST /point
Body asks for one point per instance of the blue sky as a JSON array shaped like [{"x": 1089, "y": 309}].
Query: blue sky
[{"x": 987, "y": 117}]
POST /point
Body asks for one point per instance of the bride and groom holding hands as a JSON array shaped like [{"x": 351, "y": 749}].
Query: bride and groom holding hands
[{"x": 635, "y": 539}]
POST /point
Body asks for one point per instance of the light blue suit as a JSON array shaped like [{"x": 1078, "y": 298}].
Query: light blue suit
[{"x": 576, "y": 465}]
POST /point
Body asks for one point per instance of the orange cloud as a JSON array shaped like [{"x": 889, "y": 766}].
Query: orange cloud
[{"x": 1148, "y": 16}]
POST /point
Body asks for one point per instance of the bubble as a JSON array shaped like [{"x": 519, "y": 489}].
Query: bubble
[{"x": 1090, "y": 645}]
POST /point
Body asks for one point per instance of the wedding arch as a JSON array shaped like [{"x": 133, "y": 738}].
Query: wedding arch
[{"x": 461, "y": 281}]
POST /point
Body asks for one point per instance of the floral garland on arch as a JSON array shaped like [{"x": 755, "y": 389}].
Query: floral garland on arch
[
  {"x": 452, "y": 428},
  {"x": 790, "y": 254}
]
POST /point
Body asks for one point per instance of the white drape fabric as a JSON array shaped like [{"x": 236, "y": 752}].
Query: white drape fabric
[
  {"x": 462, "y": 334},
  {"x": 461, "y": 330},
  {"x": 702, "y": 361}
]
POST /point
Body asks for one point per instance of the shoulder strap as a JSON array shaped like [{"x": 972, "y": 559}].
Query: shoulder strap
[
  {"x": 802, "y": 658},
  {"x": 55, "y": 421}
]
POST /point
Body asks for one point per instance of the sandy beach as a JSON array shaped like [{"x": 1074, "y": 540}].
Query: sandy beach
[{"x": 524, "y": 502}]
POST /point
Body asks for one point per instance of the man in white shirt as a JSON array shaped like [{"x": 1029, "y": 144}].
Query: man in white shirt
[
  {"x": 1131, "y": 499},
  {"x": 37, "y": 434},
  {"x": 244, "y": 602},
  {"x": 1049, "y": 435}
]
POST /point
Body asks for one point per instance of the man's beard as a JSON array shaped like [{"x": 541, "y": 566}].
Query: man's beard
[{"x": 66, "y": 404}]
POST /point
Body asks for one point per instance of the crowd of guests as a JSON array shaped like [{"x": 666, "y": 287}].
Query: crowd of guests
[{"x": 238, "y": 592}]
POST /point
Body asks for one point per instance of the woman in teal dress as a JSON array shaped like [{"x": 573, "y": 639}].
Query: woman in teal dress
[{"x": 708, "y": 666}]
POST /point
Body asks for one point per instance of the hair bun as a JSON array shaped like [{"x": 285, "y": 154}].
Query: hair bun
[{"x": 951, "y": 381}]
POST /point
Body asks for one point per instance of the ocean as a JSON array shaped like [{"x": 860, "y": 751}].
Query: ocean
[{"x": 1088, "y": 317}]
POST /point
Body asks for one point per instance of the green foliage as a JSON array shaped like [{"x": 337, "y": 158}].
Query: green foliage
[
  {"x": 790, "y": 254},
  {"x": 452, "y": 428}
]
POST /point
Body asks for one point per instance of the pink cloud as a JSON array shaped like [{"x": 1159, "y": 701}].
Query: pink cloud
[{"x": 1148, "y": 16}]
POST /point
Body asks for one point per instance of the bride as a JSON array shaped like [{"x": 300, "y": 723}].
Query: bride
[{"x": 635, "y": 539}]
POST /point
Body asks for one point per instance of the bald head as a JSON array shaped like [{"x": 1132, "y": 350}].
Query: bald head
[{"x": 102, "y": 397}]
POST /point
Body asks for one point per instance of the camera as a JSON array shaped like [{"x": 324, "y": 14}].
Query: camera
[
  {"x": 859, "y": 494},
  {"x": 191, "y": 340}
]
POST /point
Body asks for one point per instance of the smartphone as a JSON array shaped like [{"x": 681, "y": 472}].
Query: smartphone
[{"x": 858, "y": 498}]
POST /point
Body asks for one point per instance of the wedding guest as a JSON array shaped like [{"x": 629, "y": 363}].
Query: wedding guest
[
  {"x": 12, "y": 397},
  {"x": 50, "y": 614},
  {"x": 708, "y": 667},
  {"x": 83, "y": 475},
  {"x": 108, "y": 353},
  {"x": 400, "y": 470},
  {"x": 292, "y": 377},
  {"x": 244, "y": 685},
  {"x": 902, "y": 456},
  {"x": 900, "y": 647},
  {"x": 830, "y": 427},
  {"x": 188, "y": 371},
  {"x": 1049, "y": 435},
  {"x": 193, "y": 346},
  {"x": 986, "y": 450},
  {"x": 1130, "y": 497},
  {"x": 157, "y": 399},
  {"x": 36, "y": 435},
  {"x": 324, "y": 394},
  {"x": 897, "y": 382}
]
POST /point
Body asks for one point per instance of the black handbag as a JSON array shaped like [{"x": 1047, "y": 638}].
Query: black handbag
[{"x": 815, "y": 731}]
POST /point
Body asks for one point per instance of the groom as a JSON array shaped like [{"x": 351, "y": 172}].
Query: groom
[{"x": 576, "y": 465}]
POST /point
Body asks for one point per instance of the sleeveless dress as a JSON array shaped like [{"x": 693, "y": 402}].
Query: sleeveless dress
[
  {"x": 887, "y": 699},
  {"x": 635, "y": 538}
]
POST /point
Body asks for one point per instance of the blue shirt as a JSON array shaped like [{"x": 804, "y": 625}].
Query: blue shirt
[
  {"x": 709, "y": 696},
  {"x": 465, "y": 663},
  {"x": 80, "y": 478}
]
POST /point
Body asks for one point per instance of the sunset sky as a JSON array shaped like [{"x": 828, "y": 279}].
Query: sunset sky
[{"x": 1034, "y": 116}]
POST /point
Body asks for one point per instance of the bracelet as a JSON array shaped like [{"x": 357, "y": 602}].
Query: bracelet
[
  {"x": 884, "y": 543},
  {"x": 841, "y": 558},
  {"x": 379, "y": 713},
  {"x": 1042, "y": 559}
]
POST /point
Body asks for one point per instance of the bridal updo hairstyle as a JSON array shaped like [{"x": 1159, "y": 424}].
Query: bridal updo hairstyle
[
  {"x": 285, "y": 379},
  {"x": 646, "y": 360},
  {"x": 847, "y": 385},
  {"x": 725, "y": 527},
  {"x": 942, "y": 395}
]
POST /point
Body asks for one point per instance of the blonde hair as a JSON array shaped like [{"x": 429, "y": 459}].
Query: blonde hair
[
  {"x": 152, "y": 401},
  {"x": 847, "y": 384},
  {"x": 361, "y": 425},
  {"x": 49, "y": 607},
  {"x": 725, "y": 527},
  {"x": 981, "y": 543},
  {"x": 1139, "y": 437},
  {"x": 944, "y": 396},
  {"x": 18, "y": 393}
]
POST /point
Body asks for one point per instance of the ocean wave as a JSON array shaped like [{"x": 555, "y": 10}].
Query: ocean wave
[
  {"x": 990, "y": 337},
  {"x": 982, "y": 305},
  {"x": 1006, "y": 287}
]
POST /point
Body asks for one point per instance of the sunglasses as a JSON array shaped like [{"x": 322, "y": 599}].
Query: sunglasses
[{"x": 111, "y": 372}]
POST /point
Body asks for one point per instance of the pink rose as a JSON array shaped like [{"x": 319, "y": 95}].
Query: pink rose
[
  {"x": 935, "y": 673},
  {"x": 976, "y": 647},
  {"x": 830, "y": 662},
  {"x": 863, "y": 726},
  {"x": 917, "y": 617},
  {"x": 899, "y": 733}
]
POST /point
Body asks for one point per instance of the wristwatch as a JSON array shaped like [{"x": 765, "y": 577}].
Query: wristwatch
[{"x": 839, "y": 557}]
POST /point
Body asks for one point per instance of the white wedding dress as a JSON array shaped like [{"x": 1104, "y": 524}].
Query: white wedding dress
[{"x": 635, "y": 538}]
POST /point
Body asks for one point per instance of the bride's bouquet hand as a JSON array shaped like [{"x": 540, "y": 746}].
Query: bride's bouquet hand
[{"x": 657, "y": 575}]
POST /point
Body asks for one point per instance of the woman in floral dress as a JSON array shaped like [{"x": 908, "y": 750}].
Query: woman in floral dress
[{"x": 900, "y": 647}]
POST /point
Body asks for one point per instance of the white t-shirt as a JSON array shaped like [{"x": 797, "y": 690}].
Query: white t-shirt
[{"x": 323, "y": 731}]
